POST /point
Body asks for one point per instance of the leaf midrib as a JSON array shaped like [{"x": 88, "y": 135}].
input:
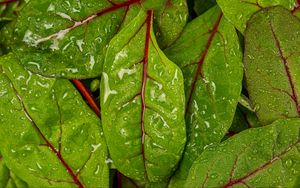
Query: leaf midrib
[
  {"x": 231, "y": 183},
  {"x": 293, "y": 96},
  {"x": 143, "y": 87},
  {"x": 52, "y": 148},
  {"x": 89, "y": 18},
  {"x": 202, "y": 59}
]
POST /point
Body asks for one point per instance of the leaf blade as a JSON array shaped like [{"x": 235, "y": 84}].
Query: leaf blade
[
  {"x": 277, "y": 95},
  {"x": 138, "y": 99},
  {"x": 244, "y": 161},
  {"x": 238, "y": 12},
  {"x": 205, "y": 58},
  {"x": 51, "y": 148}
]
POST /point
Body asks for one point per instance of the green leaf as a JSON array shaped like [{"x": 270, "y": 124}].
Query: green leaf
[
  {"x": 170, "y": 21},
  {"x": 170, "y": 18},
  {"x": 238, "y": 12},
  {"x": 272, "y": 64},
  {"x": 48, "y": 135},
  {"x": 272, "y": 159},
  {"x": 246, "y": 103},
  {"x": 201, "y": 6},
  {"x": 9, "y": 8},
  {"x": 243, "y": 119},
  {"x": 9, "y": 179},
  {"x": 142, "y": 100},
  {"x": 209, "y": 55},
  {"x": 69, "y": 38}
]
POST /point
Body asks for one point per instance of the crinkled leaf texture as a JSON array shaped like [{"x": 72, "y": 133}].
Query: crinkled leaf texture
[
  {"x": 260, "y": 157},
  {"x": 142, "y": 100},
  {"x": 238, "y": 12},
  {"x": 271, "y": 59},
  {"x": 70, "y": 38},
  {"x": 209, "y": 55},
  {"x": 48, "y": 135},
  {"x": 8, "y": 179}
]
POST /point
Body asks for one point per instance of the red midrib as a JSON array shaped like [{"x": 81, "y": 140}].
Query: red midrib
[
  {"x": 87, "y": 95},
  {"x": 145, "y": 75},
  {"x": 64, "y": 163},
  {"x": 287, "y": 70},
  {"x": 90, "y": 18},
  {"x": 52, "y": 148},
  {"x": 201, "y": 61},
  {"x": 260, "y": 168},
  {"x": 117, "y": 6},
  {"x": 7, "y": 2},
  {"x": 296, "y": 8}
]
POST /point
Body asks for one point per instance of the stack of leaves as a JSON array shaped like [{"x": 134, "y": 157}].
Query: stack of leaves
[{"x": 196, "y": 93}]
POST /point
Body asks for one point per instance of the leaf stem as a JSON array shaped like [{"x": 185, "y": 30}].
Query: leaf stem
[
  {"x": 296, "y": 8},
  {"x": 7, "y": 2},
  {"x": 87, "y": 95}
]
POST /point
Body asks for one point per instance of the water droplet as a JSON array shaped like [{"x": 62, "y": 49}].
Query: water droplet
[
  {"x": 289, "y": 163},
  {"x": 107, "y": 90}
]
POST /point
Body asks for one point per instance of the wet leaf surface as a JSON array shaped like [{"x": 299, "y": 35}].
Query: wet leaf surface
[
  {"x": 209, "y": 55},
  {"x": 272, "y": 64},
  {"x": 238, "y": 12},
  {"x": 48, "y": 136},
  {"x": 272, "y": 159},
  {"x": 142, "y": 100}
]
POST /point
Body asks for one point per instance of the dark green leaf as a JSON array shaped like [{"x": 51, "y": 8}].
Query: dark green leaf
[
  {"x": 260, "y": 157},
  {"x": 272, "y": 64},
  {"x": 142, "y": 100},
  {"x": 201, "y": 6},
  {"x": 48, "y": 135},
  {"x": 243, "y": 119},
  {"x": 209, "y": 55},
  {"x": 238, "y": 12}
]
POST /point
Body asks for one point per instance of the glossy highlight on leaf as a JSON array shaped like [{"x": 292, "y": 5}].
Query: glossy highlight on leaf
[
  {"x": 69, "y": 39},
  {"x": 272, "y": 64},
  {"x": 238, "y": 12},
  {"x": 272, "y": 159},
  {"x": 142, "y": 100},
  {"x": 49, "y": 136},
  {"x": 209, "y": 55}
]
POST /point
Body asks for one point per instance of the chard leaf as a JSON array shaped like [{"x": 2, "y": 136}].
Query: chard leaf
[
  {"x": 142, "y": 100},
  {"x": 69, "y": 38},
  {"x": 48, "y": 135},
  {"x": 9, "y": 179},
  {"x": 272, "y": 64},
  {"x": 238, "y": 12},
  {"x": 272, "y": 159},
  {"x": 209, "y": 55},
  {"x": 170, "y": 18}
]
